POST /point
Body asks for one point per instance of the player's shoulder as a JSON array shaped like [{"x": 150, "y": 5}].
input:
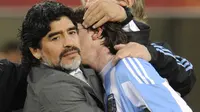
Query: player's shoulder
[
  {"x": 130, "y": 60},
  {"x": 130, "y": 63}
]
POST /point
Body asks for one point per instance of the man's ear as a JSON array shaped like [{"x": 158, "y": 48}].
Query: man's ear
[
  {"x": 97, "y": 34},
  {"x": 35, "y": 52}
]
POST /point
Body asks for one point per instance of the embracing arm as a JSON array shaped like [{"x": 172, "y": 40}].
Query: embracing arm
[{"x": 177, "y": 70}]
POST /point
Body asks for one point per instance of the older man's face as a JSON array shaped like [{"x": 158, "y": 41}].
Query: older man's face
[{"x": 60, "y": 47}]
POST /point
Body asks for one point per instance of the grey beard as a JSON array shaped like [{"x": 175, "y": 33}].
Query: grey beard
[
  {"x": 69, "y": 67},
  {"x": 74, "y": 65}
]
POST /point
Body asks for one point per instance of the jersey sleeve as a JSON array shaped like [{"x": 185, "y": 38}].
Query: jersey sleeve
[{"x": 177, "y": 70}]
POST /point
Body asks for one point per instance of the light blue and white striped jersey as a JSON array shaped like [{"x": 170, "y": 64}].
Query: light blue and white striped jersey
[{"x": 135, "y": 84}]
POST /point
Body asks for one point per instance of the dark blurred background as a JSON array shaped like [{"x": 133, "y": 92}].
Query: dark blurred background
[{"x": 174, "y": 21}]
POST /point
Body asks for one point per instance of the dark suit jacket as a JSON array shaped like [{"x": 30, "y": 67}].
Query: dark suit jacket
[
  {"x": 51, "y": 90},
  {"x": 10, "y": 77}
]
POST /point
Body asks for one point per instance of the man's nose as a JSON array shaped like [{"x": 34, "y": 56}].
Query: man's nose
[{"x": 68, "y": 41}]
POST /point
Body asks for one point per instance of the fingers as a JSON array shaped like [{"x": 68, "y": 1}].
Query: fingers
[
  {"x": 102, "y": 11},
  {"x": 101, "y": 22},
  {"x": 92, "y": 15},
  {"x": 87, "y": 5},
  {"x": 120, "y": 55},
  {"x": 116, "y": 58},
  {"x": 132, "y": 49},
  {"x": 90, "y": 3},
  {"x": 98, "y": 19},
  {"x": 90, "y": 9},
  {"x": 119, "y": 46},
  {"x": 123, "y": 51}
]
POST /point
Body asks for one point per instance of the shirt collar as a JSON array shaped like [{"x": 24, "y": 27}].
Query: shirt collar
[
  {"x": 74, "y": 72},
  {"x": 106, "y": 68}
]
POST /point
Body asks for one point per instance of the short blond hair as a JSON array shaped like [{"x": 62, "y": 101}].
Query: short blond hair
[{"x": 138, "y": 11}]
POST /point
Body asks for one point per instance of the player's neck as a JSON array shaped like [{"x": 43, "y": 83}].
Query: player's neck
[{"x": 103, "y": 56}]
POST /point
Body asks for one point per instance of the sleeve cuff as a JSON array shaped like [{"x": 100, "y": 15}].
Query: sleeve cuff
[{"x": 131, "y": 27}]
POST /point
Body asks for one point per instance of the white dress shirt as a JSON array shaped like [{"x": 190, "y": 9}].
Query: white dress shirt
[
  {"x": 79, "y": 75},
  {"x": 131, "y": 26}
]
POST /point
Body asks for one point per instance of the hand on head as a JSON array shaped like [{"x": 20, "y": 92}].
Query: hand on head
[
  {"x": 101, "y": 11},
  {"x": 132, "y": 49}
]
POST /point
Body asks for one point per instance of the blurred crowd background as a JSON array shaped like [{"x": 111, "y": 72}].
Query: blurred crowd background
[{"x": 176, "y": 22}]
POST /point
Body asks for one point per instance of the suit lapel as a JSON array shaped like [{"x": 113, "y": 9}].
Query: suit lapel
[{"x": 94, "y": 82}]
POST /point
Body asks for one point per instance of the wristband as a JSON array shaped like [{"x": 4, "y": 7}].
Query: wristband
[{"x": 129, "y": 16}]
